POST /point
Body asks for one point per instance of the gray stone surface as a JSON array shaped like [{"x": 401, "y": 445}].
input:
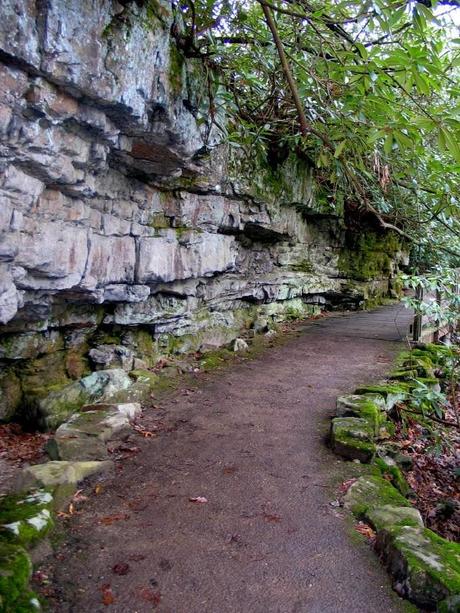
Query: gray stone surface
[
  {"x": 57, "y": 406},
  {"x": 110, "y": 216},
  {"x": 52, "y": 474}
]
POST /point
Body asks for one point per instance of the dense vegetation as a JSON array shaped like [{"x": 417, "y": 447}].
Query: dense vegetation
[{"x": 366, "y": 90}]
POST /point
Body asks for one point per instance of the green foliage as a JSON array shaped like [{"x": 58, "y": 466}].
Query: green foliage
[
  {"x": 440, "y": 280},
  {"x": 378, "y": 86}
]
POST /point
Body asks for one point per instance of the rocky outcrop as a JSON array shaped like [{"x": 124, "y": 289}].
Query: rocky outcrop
[{"x": 127, "y": 229}]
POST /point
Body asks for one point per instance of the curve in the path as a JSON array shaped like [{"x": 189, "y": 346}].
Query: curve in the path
[{"x": 250, "y": 440}]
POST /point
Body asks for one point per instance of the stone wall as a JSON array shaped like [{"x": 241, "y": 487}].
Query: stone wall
[{"x": 127, "y": 231}]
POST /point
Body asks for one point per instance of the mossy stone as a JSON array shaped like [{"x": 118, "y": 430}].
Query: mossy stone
[
  {"x": 393, "y": 393},
  {"x": 369, "y": 492},
  {"x": 368, "y": 254},
  {"x": 389, "y": 515},
  {"x": 144, "y": 376},
  {"x": 54, "y": 474},
  {"x": 388, "y": 468},
  {"x": 25, "y": 519},
  {"x": 368, "y": 407},
  {"x": 10, "y": 394},
  {"x": 425, "y": 567},
  {"x": 352, "y": 438},
  {"x": 15, "y": 572},
  {"x": 28, "y": 602}
]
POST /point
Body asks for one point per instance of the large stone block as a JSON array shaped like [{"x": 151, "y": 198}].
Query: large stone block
[
  {"x": 53, "y": 257},
  {"x": 19, "y": 31},
  {"x": 111, "y": 260},
  {"x": 57, "y": 406},
  {"x": 194, "y": 255}
]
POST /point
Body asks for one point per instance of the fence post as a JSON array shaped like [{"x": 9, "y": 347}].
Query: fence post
[
  {"x": 417, "y": 332},
  {"x": 439, "y": 301}
]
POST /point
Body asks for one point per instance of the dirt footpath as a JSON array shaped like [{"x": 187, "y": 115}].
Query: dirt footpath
[{"x": 250, "y": 440}]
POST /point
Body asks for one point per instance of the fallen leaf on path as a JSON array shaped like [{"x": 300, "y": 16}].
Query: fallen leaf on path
[
  {"x": 110, "y": 519},
  {"x": 122, "y": 568},
  {"x": 346, "y": 485},
  {"x": 107, "y": 595},
  {"x": 79, "y": 497},
  {"x": 98, "y": 489},
  {"x": 271, "y": 518},
  {"x": 147, "y": 594},
  {"x": 365, "y": 530},
  {"x": 229, "y": 470},
  {"x": 144, "y": 432},
  {"x": 199, "y": 499}
]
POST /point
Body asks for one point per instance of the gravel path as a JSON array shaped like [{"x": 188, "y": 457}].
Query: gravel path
[{"x": 250, "y": 439}]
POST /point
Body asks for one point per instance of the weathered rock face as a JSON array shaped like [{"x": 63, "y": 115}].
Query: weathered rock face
[{"x": 115, "y": 227}]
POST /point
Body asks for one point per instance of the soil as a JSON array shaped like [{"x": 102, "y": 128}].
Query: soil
[{"x": 223, "y": 499}]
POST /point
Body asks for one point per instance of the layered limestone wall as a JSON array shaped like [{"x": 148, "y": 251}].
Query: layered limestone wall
[{"x": 127, "y": 231}]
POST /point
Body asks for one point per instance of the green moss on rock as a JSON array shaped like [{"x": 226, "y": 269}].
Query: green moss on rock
[
  {"x": 368, "y": 254},
  {"x": 368, "y": 493},
  {"x": 25, "y": 519},
  {"x": 389, "y": 515},
  {"x": 368, "y": 407},
  {"x": 15, "y": 572},
  {"x": 388, "y": 469},
  {"x": 391, "y": 392},
  {"x": 352, "y": 438},
  {"x": 425, "y": 567},
  {"x": 10, "y": 394}
]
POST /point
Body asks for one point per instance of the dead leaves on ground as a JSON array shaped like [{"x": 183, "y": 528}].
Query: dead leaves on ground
[
  {"x": 107, "y": 594},
  {"x": 144, "y": 432},
  {"x": 17, "y": 446},
  {"x": 121, "y": 568},
  {"x": 108, "y": 520},
  {"x": 365, "y": 530}
]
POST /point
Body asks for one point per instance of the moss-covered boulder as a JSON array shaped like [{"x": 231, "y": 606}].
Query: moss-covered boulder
[
  {"x": 424, "y": 566},
  {"x": 389, "y": 515},
  {"x": 15, "y": 572},
  {"x": 28, "y": 602},
  {"x": 388, "y": 468},
  {"x": 370, "y": 492},
  {"x": 84, "y": 435},
  {"x": 57, "y": 406},
  {"x": 25, "y": 519},
  {"x": 391, "y": 392},
  {"x": 10, "y": 394},
  {"x": 54, "y": 474},
  {"x": 368, "y": 407},
  {"x": 353, "y": 438}
]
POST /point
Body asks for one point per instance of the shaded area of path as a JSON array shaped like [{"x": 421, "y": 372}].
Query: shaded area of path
[{"x": 250, "y": 439}]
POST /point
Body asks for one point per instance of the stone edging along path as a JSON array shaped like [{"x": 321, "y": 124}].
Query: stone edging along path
[
  {"x": 425, "y": 567},
  {"x": 78, "y": 450}
]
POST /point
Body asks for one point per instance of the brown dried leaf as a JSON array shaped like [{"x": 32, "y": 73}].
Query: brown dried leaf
[
  {"x": 121, "y": 568},
  {"x": 107, "y": 595},
  {"x": 110, "y": 519}
]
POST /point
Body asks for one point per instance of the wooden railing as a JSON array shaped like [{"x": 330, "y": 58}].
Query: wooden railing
[{"x": 427, "y": 329}]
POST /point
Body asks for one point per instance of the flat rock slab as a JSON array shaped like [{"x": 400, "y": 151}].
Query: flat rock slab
[
  {"x": 368, "y": 493},
  {"x": 353, "y": 438},
  {"x": 425, "y": 566},
  {"x": 84, "y": 435},
  {"x": 52, "y": 474},
  {"x": 58, "y": 406}
]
